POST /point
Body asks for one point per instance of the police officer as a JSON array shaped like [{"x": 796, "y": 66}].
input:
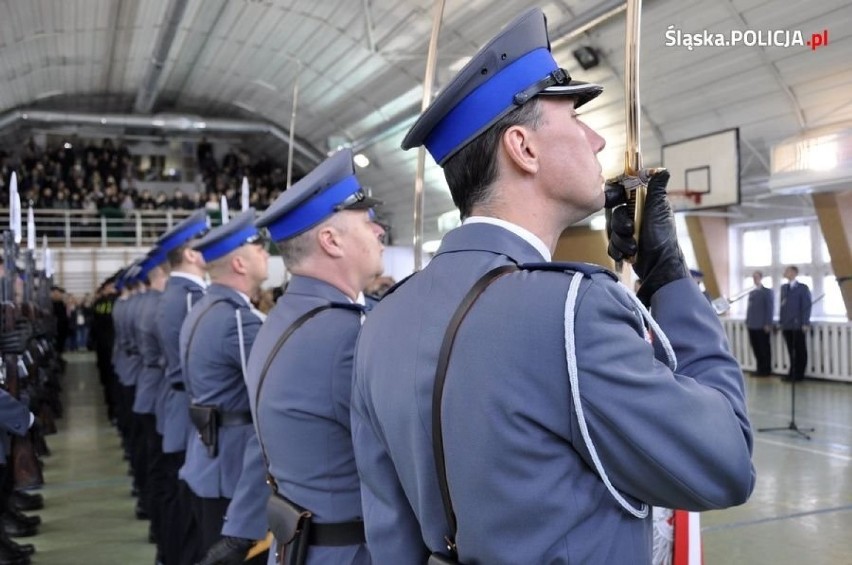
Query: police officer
[
  {"x": 795, "y": 319},
  {"x": 101, "y": 337},
  {"x": 331, "y": 246},
  {"x": 148, "y": 388},
  {"x": 127, "y": 363},
  {"x": 223, "y": 467},
  {"x": 178, "y": 536},
  {"x": 15, "y": 418},
  {"x": 560, "y": 423},
  {"x": 759, "y": 324}
]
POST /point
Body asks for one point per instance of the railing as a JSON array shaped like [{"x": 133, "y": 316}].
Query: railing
[
  {"x": 104, "y": 228},
  {"x": 829, "y": 349}
]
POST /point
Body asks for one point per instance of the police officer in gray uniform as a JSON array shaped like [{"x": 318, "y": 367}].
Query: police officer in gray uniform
[
  {"x": 561, "y": 424},
  {"x": 795, "y": 318},
  {"x": 223, "y": 467},
  {"x": 149, "y": 389},
  {"x": 127, "y": 363},
  {"x": 184, "y": 288},
  {"x": 331, "y": 246},
  {"x": 759, "y": 324}
]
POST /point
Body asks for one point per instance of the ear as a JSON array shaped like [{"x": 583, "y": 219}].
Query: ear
[
  {"x": 329, "y": 241},
  {"x": 238, "y": 264},
  {"x": 519, "y": 145}
]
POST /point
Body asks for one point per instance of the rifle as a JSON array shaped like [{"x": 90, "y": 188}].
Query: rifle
[{"x": 26, "y": 467}]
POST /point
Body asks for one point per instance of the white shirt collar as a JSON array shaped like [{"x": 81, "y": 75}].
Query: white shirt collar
[
  {"x": 523, "y": 233},
  {"x": 189, "y": 276},
  {"x": 245, "y": 297}
]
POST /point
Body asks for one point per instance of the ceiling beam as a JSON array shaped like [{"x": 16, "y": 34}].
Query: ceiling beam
[
  {"x": 146, "y": 96},
  {"x": 785, "y": 88}
]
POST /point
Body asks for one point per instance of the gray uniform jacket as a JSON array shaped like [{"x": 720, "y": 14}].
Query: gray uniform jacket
[
  {"x": 131, "y": 361},
  {"x": 303, "y": 416},
  {"x": 171, "y": 311},
  {"x": 119, "y": 351},
  {"x": 759, "y": 313},
  {"x": 14, "y": 414},
  {"x": 549, "y": 396},
  {"x": 795, "y": 306},
  {"x": 14, "y": 418},
  {"x": 150, "y": 376},
  {"x": 213, "y": 371}
]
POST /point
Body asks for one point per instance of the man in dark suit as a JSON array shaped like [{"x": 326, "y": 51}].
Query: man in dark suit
[
  {"x": 795, "y": 320},
  {"x": 759, "y": 323}
]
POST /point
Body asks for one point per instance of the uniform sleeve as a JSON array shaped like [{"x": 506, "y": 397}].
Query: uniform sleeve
[
  {"x": 246, "y": 515},
  {"x": 14, "y": 415},
  {"x": 676, "y": 439},
  {"x": 147, "y": 337},
  {"x": 393, "y": 534},
  {"x": 342, "y": 367},
  {"x": 807, "y": 303}
]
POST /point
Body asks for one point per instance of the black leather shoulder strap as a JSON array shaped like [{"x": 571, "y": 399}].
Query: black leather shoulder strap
[
  {"x": 192, "y": 333},
  {"x": 271, "y": 357},
  {"x": 438, "y": 392}
]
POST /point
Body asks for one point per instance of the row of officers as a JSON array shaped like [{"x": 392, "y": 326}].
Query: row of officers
[{"x": 495, "y": 407}]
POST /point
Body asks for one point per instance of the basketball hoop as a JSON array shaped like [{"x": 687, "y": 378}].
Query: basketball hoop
[{"x": 684, "y": 199}]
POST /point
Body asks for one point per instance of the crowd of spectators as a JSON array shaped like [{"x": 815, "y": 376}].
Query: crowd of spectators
[{"x": 103, "y": 176}]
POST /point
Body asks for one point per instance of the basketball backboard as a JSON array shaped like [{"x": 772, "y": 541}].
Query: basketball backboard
[{"x": 704, "y": 171}]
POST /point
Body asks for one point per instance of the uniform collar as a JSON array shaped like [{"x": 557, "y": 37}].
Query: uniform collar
[
  {"x": 190, "y": 277},
  {"x": 310, "y": 286},
  {"x": 217, "y": 289},
  {"x": 523, "y": 233},
  {"x": 479, "y": 236}
]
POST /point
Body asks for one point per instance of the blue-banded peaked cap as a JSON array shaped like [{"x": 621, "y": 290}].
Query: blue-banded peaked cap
[
  {"x": 154, "y": 257},
  {"x": 509, "y": 71},
  {"x": 331, "y": 187},
  {"x": 191, "y": 227},
  {"x": 225, "y": 238}
]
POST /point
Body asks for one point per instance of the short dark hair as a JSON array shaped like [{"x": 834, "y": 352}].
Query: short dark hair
[
  {"x": 175, "y": 256},
  {"x": 472, "y": 170}
]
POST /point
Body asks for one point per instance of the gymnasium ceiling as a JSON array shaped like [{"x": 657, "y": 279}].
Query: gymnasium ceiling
[{"x": 360, "y": 66}]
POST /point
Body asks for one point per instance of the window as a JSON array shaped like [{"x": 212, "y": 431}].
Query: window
[
  {"x": 757, "y": 248},
  {"x": 794, "y": 245},
  {"x": 833, "y": 305}
]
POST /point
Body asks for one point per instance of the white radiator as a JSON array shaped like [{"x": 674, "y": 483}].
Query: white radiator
[{"x": 829, "y": 349}]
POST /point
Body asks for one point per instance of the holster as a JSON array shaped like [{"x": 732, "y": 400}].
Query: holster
[
  {"x": 206, "y": 421},
  {"x": 291, "y": 526}
]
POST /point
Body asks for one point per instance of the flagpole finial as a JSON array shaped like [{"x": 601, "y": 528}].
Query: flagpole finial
[
  {"x": 223, "y": 207},
  {"x": 244, "y": 194}
]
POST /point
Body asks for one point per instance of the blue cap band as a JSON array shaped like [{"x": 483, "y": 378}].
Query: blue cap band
[
  {"x": 487, "y": 102},
  {"x": 314, "y": 210},
  {"x": 225, "y": 245},
  {"x": 176, "y": 240}
]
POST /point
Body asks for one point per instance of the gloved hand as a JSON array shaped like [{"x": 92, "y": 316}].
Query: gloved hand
[
  {"x": 659, "y": 260},
  {"x": 227, "y": 551}
]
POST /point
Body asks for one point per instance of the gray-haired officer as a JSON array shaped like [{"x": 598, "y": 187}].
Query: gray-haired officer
[
  {"x": 223, "y": 467},
  {"x": 185, "y": 287},
  {"x": 300, "y": 388},
  {"x": 560, "y": 423}
]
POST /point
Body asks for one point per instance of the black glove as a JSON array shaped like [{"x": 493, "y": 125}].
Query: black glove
[
  {"x": 619, "y": 223},
  {"x": 227, "y": 551},
  {"x": 659, "y": 259}
]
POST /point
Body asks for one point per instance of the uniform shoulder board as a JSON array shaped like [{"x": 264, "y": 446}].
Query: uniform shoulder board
[
  {"x": 347, "y": 306},
  {"x": 587, "y": 269}
]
